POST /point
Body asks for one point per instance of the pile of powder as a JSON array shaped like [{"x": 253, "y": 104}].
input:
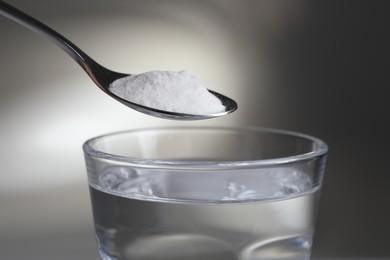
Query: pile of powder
[{"x": 169, "y": 91}]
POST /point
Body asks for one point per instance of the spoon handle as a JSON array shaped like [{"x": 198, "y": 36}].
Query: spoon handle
[{"x": 91, "y": 67}]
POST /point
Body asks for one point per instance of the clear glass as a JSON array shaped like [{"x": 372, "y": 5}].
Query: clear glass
[{"x": 208, "y": 193}]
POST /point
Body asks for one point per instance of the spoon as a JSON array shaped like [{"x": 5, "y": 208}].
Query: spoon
[{"x": 100, "y": 75}]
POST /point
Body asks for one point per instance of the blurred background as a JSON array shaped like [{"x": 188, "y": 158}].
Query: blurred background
[{"x": 315, "y": 67}]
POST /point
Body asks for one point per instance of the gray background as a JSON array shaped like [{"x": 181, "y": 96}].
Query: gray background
[{"x": 316, "y": 67}]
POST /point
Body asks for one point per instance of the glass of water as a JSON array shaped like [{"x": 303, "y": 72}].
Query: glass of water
[{"x": 209, "y": 193}]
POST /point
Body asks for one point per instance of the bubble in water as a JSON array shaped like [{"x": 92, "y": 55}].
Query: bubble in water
[
  {"x": 235, "y": 191},
  {"x": 142, "y": 185},
  {"x": 114, "y": 176},
  {"x": 289, "y": 181},
  {"x": 258, "y": 184}
]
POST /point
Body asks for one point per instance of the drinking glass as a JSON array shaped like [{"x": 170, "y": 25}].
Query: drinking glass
[{"x": 205, "y": 193}]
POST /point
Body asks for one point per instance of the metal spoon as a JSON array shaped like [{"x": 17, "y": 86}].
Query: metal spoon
[{"x": 100, "y": 75}]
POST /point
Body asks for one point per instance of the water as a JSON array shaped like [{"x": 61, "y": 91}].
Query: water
[{"x": 180, "y": 216}]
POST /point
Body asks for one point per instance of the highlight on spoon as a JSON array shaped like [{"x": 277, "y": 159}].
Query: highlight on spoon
[{"x": 230, "y": 106}]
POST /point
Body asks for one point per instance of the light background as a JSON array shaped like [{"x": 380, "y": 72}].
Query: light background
[{"x": 317, "y": 68}]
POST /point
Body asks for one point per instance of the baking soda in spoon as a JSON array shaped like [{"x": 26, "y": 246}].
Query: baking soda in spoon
[{"x": 170, "y": 91}]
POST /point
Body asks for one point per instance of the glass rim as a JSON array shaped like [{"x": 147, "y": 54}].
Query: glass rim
[{"x": 321, "y": 149}]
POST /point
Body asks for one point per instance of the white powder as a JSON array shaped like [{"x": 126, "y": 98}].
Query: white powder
[{"x": 169, "y": 91}]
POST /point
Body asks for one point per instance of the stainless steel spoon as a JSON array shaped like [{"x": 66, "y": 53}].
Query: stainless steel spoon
[{"x": 102, "y": 76}]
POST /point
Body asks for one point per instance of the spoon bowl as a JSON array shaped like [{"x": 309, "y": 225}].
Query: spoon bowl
[{"x": 100, "y": 75}]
